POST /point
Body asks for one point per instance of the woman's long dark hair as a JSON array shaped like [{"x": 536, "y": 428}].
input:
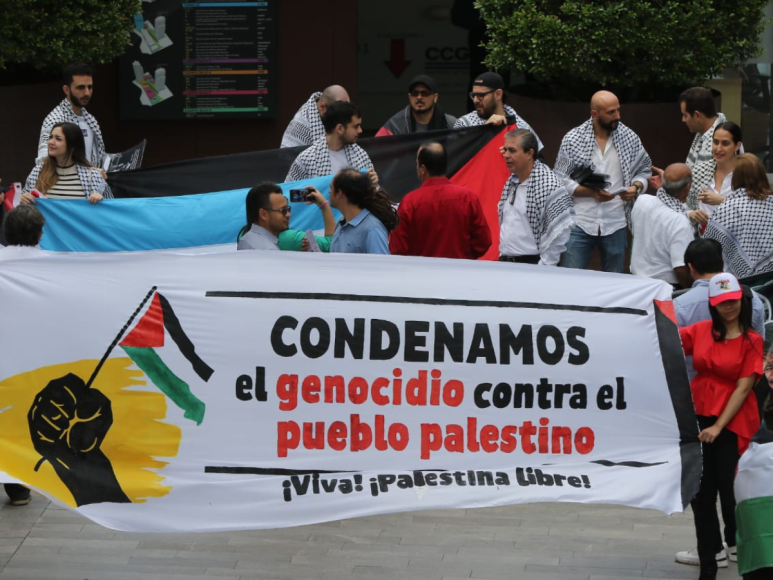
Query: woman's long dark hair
[
  {"x": 357, "y": 189},
  {"x": 76, "y": 149},
  {"x": 719, "y": 330}
]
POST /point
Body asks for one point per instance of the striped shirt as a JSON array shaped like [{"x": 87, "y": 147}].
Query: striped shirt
[{"x": 68, "y": 186}]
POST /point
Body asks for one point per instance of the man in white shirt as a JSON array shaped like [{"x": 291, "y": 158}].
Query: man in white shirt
[
  {"x": 306, "y": 126},
  {"x": 662, "y": 230},
  {"x": 268, "y": 208},
  {"x": 337, "y": 150},
  {"x": 535, "y": 211},
  {"x": 78, "y": 88},
  {"x": 602, "y": 215}
]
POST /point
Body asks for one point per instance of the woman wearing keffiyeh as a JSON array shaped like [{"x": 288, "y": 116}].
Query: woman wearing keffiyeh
[{"x": 742, "y": 223}]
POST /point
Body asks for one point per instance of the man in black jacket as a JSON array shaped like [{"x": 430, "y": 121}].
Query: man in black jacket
[{"x": 422, "y": 112}]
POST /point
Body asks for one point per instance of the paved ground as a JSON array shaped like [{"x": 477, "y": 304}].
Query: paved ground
[{"x": 533, "y": 542}]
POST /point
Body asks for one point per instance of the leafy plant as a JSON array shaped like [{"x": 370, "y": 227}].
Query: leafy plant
[
  {"x": 622, "y": 43},
  {"x": 47, "y": 34}
]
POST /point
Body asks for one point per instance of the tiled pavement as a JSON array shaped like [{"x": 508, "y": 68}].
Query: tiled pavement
[{"x": 532, "y": 542}]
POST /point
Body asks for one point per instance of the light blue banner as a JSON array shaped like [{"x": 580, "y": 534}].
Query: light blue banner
[{"x": 158, "y": 223}]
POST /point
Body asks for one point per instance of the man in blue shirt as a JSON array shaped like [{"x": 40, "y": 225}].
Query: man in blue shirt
[{"x": 368, "y": 215}]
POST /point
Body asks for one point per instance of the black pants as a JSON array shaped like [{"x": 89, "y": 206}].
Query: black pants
[
  {"x": 16, "y": 491},
  {"x": 761, "y": 574},
  {"x": 720, "y": 459}
]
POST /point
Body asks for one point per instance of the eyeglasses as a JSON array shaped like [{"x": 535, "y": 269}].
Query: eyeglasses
[
  {"x": 283, "y": 210},
  {"x": 474, "y": 96},
  {"x": 426, "y": 93}
]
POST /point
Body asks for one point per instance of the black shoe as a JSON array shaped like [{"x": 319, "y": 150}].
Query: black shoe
[{"x": 18, "y": 494}]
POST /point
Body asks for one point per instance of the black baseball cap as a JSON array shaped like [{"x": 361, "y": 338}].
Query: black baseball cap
[
  {"x": 424, "y": 80},
  {"x": 491, "y": 80}
]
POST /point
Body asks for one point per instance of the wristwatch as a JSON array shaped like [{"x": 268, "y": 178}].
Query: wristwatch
[{"x": 638, "y": 186}]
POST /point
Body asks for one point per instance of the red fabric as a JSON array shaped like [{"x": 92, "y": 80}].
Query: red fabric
[
  {"x": 667, "y": 308},
  {"x": 149, "y": 332},
  {"x": 486, "y": 174},
  {"x": 720, "y": 364},
  {"x": 383, "y": 132},
  {"x": 440, "y": 220}
]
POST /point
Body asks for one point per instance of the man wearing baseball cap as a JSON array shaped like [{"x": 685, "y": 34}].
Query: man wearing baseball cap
[
  {"x": 489, "y": 96},
  {"x": 422, "y": 112}
]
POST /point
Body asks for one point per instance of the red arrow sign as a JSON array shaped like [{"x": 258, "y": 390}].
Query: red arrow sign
[{"x": 397, "y": 63}]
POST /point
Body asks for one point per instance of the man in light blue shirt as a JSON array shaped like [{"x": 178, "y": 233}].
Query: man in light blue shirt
[
  {"x": 704, "y": 258},
  {"x": 368, "y": 215}
]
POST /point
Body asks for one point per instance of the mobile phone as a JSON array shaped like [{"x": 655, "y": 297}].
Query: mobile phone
[{"x": 298, "y": 195}]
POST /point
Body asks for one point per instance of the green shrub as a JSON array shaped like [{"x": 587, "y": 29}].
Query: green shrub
[
  {"x": 622, "y": 43},
  {"x": 47, "y": 34}
]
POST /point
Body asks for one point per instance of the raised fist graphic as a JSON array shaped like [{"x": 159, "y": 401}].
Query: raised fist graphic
[{"x": 68, "y": 423}]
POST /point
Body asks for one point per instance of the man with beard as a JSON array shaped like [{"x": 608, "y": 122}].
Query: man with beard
[
  {"x": 535, "y": 211},
  {"x": 602, "y": 215},
  {"x": 337, "y": 150},
  {"x": 306, "y": 126},
  {"x": 489, "y": 96},
  {"x": 269, "y": 211},
  {"x": 422, "y": 112},
  {"x": 78, "y": 88}
]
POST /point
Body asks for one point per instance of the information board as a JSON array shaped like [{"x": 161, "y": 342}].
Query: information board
[{"x": 214, "y": 59}]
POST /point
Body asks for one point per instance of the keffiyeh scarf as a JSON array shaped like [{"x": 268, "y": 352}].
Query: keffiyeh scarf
[
  {"x": 306, "y": 126},
  {"x": 90, "y": 178},
  {"x": 549, "y": 207},
  {"x": 700, "y": 150},
  {"x": 671, "y": 202},
  {"x": 577, "y": 150},
  {"x": 702, "y": 174},
  {"x": 473, "y": 119},
  {"x": 743, "y": 226},
  {"x": 315, "y": 161}
]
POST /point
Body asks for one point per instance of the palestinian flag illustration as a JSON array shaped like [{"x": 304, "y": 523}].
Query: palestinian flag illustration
[{"x": 149, "y": 334}]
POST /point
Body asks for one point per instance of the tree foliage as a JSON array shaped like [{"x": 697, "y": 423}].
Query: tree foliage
[
  {"x": 622, "y": 43},
  {"x": 47, "y": 34}
]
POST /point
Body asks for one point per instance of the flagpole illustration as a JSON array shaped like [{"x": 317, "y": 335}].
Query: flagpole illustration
[{"x": 119, "y": 336}]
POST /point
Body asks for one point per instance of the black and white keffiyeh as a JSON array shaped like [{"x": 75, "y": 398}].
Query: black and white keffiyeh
[
  {"x": 549, "y": 207},
  {"x": 700, "y": 150},
  {"x": 473, "y": 120},
  {"x": 577, "y": 151},
  {"x": 670, "y": 202},
  {"x": 702, "y": 174},
  {"x": 63, "y": 113},
  {"x": 306, "y": 126},
  {"x": 90, "y": 178},
  {"x": 315, "y": 161},
  {"x": 743, "y": 226}
]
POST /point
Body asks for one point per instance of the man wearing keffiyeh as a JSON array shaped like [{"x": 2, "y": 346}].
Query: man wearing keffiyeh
[
  {"x": 337, "y": 149},
  {"x": 306, "y": 126},
  {"x": 536, "y": 213},
  {"x": 602, "y": 215}
]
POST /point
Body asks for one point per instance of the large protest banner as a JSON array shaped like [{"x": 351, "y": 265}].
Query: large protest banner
[{"x": 158, "y": 392}]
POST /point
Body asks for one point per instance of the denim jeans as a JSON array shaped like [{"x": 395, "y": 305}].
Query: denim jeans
[{"x": 612, "y": 249}]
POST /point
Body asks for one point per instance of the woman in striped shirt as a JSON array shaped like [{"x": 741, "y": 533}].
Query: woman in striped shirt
[{"x": 66, "y": 173}]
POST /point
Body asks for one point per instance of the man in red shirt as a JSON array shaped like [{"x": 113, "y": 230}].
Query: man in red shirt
[{"x": 439, "y": 219}]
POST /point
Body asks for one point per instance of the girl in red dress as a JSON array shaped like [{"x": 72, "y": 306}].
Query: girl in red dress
[{"x": 727, "y": 354}]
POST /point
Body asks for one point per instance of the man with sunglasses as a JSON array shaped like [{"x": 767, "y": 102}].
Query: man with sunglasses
[
  {"x": 422, "y": 112},
  {"x": 269, "y": 211},
  {"x": 489, "y": 96}
]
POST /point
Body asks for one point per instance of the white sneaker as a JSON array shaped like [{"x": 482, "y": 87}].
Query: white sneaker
[
  {"x": 732, "y": 552},
  {"x": 690, "y": 557}
]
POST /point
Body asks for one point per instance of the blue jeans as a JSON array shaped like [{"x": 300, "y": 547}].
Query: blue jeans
[{"x": 612, "y": 249}]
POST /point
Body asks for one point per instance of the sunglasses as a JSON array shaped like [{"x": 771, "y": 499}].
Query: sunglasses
[
  {"x": 425, "y": 93},
  {"x": 474, "y": 96},
  {"x": 283, "y": 210}
]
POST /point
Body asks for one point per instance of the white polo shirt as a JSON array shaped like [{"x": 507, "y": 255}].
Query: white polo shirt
[
  {"x": 660, "y": 237},
  {"x": 515, "y": 235}
]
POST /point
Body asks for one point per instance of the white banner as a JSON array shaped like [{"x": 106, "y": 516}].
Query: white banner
[{"x": 158, "y": 392}]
